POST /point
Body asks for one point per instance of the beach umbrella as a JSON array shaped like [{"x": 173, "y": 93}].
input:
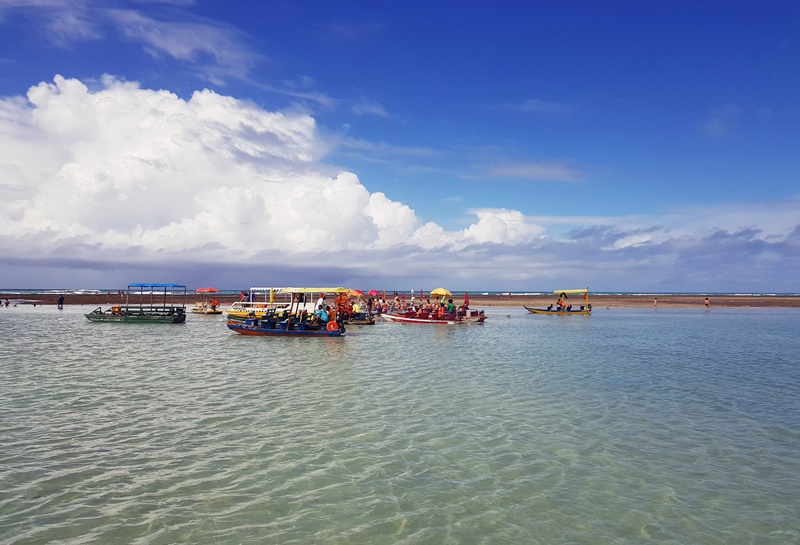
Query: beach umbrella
[
  {"x": 373, "y": 293},
  {"x": 206, "y": 290},
  {"x": 440, "y": 291},
  {"x": 466, "y": 298},
  {"x": 355, "y": 293}
]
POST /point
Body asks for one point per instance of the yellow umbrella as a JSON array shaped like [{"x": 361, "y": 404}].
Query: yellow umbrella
[{"x": 440, "y": 291}]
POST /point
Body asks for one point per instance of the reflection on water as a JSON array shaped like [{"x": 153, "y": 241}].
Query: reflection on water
[{"x": 629, "y": 426}]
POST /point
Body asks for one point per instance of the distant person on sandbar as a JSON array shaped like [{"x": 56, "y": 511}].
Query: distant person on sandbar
[
  {"x": 655, "y": 302},
  {"x": 707, "y": 303},
  {"x": 60, "y": 302}
]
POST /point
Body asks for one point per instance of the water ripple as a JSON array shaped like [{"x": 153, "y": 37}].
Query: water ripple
[{"x": 626, "y": 427}]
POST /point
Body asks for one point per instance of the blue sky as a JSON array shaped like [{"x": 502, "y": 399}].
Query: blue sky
[{"x": 624, "y": 146}]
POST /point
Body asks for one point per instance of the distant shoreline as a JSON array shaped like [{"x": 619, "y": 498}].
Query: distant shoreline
[{"x": 476, "y": 301}]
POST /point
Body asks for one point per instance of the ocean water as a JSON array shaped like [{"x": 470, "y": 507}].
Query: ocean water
[{"x": 630, "y": 426}]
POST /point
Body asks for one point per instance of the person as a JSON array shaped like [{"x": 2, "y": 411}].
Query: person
[
  {"x": 242, "y": 296},
  {"x": 331, "y": 313},
  {"x": 61, "y": 302},
  {"x": 707, "y": 303},
  {"x": 320, "y": 301},
  {"x": 655, "y": 302},
  {"x": 451, "y": 308},
  {"x": 320, "y": 315},
  {"x": 356, "y": 308},
  {"x": 214, "y": 303}
]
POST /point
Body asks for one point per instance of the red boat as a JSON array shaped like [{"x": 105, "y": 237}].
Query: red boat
[
  {"x": 427, "y": 317},
  {"x": 438, "y": 315}
]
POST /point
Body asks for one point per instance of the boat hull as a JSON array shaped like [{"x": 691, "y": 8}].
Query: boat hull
[
  {"x": 410, "y": 318},
  {"x": 255, "y": 328},
  {"x": 206, "y": 311},
  {"x": 585, "y": 312},
  {"x": 127, "y": 318}
]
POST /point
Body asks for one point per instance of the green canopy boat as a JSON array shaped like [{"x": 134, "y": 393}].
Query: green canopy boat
[{"x": 146, "y": 304}]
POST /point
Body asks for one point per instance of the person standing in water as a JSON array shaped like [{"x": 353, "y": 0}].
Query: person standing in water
[
  {"x": 707, "y": 303},
  {"x": 61, "y": 302}
]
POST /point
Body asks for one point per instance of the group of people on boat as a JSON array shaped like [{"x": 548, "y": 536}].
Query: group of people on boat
[
  {"x": 562, "y": 305},
  {"x": 440, "y": 309}
]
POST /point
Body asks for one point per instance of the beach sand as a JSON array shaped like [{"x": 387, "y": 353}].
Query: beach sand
[{"x": 477, "y": 301}]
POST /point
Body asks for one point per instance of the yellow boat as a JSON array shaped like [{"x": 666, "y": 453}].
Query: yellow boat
[{"x": 563, "y": 307}]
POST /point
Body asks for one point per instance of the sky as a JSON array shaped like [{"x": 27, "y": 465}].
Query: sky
[{"x": 509, "y": 146}]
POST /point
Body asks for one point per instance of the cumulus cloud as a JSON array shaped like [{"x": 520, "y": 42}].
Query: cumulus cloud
[{"x": 137, "y": 175}]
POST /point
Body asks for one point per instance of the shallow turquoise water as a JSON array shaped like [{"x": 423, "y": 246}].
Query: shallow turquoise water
[{"x": 629, "y": 426}]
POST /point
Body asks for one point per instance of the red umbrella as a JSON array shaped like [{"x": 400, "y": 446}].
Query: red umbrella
[
  {"x": 206, "y": 290},
  {"x": 466, "y": 298},
  {"x": 373, "y": 293}
]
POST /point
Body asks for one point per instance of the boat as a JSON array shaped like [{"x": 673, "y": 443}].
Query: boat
[
  {"x": 294, "y": 320},
  {"x": 563, "y": 307},
  {"x": 423, "y": 315},
  {"x": 258, "y": 302},
  {"x": 146, "y": 303},
  {"x": 350, "y": 311},
  {"x": 209, "y": 305}
]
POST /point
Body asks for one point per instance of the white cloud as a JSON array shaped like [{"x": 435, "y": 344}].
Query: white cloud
[
  {"x": 216, "y": 52},
  {"x": 129, "y": 167},
  {"x": 191, "y": 42}
]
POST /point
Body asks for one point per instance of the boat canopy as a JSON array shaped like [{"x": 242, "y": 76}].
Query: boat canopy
[
  {"x": 569, "y": 292},
  {"x": 316, "y": 290},
  {"x": 265, "y": 290}
]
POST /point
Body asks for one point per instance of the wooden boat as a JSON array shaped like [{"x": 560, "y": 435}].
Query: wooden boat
[
  {"x": 294, "y": 320},
  {"x": 146, "y": 303},
  {"x": 259, "y": 302},
  {"x": 563, "y": 307},
  {"x": 272, "y": 326},
  {"x": 462, "y": 314},
  {"x": 209, "y": 305},
  {"x": 348, "y": 309},
  {"x": 427, "y": 317}
]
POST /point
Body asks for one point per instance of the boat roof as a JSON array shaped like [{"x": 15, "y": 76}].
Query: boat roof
[
  {"x": 584, "y": 290},
  {"x": 316, "y": 290},
  {"x": 266, "y": 290}
]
